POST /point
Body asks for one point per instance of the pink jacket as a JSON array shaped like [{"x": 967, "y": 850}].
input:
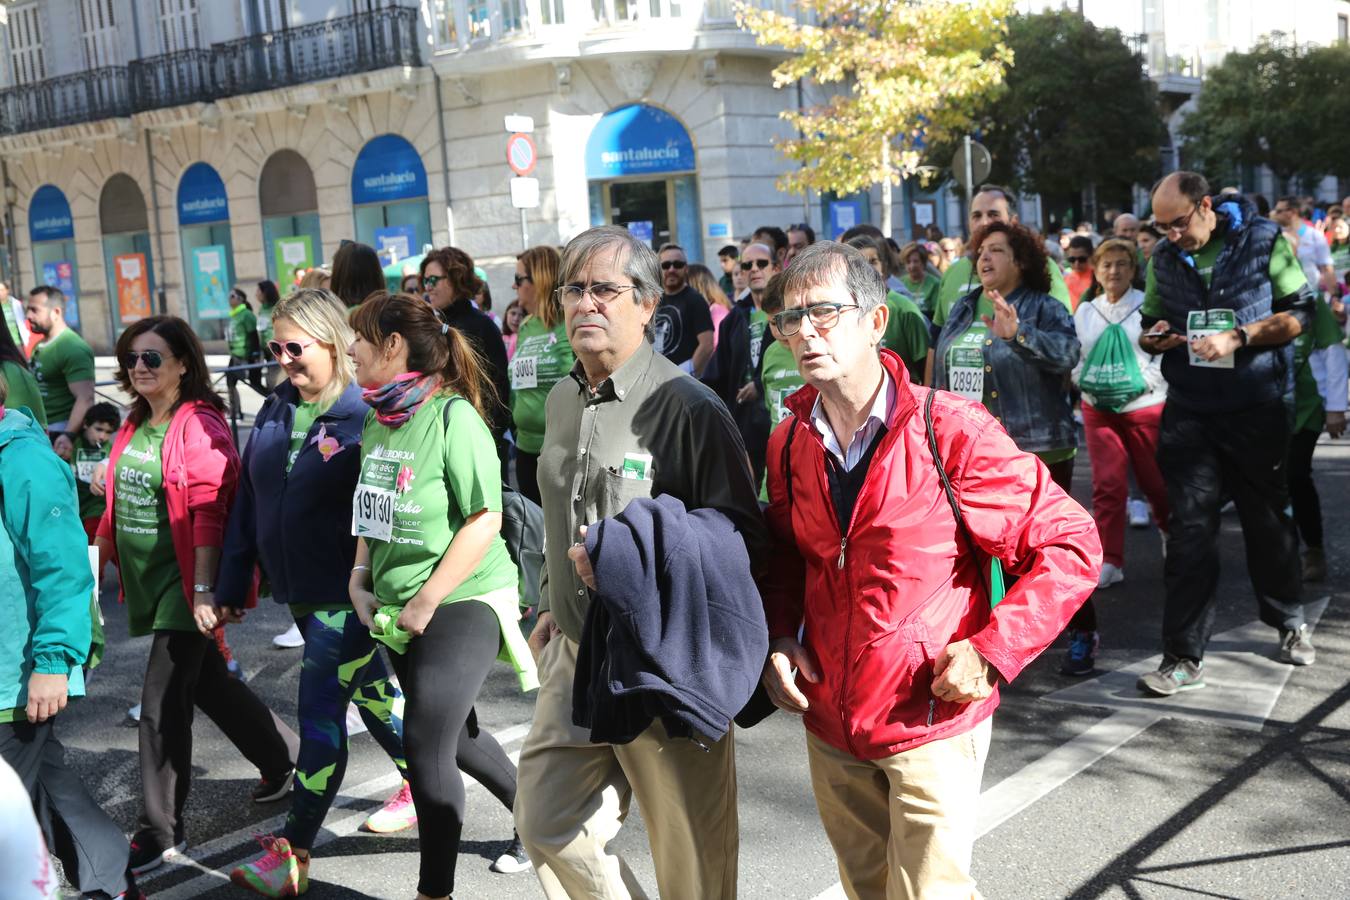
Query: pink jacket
[{"x": 201, "y": 470}]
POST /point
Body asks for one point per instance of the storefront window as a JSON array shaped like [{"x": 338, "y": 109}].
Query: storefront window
[
  {"x": 389, "y": 196},
  {"x": 289, "y": 203},
  {"x": 128, "y": 264},
  {"x": 208, "y": 249},
  {"x": 51, "y": 229}
]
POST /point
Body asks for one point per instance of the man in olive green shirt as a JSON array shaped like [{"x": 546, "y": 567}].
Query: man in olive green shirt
[
  {"x": 63, "y": 362},
  {"x": 626, "y": 424}
]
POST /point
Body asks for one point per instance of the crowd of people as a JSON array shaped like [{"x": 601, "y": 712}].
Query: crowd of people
[{"x": 832, "y": 478}]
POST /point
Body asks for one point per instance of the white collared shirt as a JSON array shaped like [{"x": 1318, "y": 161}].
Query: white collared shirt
[{"x": 882, "y": 407}]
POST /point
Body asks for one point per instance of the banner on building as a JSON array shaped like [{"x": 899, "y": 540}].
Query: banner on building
[
  {"x": 395, "y": 242},
  {"x": 209, "y": 277},
  {"x": 133, "y": 287},
  {"x": 61, "y": 275},
  {"x": 292, "y": 254}
]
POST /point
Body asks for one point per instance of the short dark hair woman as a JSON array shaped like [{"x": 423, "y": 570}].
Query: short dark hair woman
[
  {"x": 357, "y": 273},
  {"x": 172, "y": 474}
]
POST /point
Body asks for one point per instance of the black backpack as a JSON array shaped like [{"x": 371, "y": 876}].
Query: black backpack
[{"x": 523, "y": 532}]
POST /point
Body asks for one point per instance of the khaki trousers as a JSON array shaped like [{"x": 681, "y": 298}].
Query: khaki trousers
[
  {"x": 572, "y": 796},
  {"x": 902, "y": 827}
]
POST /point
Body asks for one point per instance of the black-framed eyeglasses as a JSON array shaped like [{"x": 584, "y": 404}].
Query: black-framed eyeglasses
[
  {"x": 672, "y": 264},
  {"x": 601, "y": 292},
  {"x": 757, "y": 263},
  {"x": 293, "y": 349},
  {"x": 521, "y": 279},
  {"x": 1179, "y": 225},
  {"x": 430, "y": 281},
  {"x": 822, "y": 315},
  {"x": 153, "y": 359}
]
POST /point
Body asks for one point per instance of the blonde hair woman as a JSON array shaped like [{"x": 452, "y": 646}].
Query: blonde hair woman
[
  {"x": 543, "y": 356},
  {"x": 292, "y": 515},
  {"x": 702, "y": 280}
]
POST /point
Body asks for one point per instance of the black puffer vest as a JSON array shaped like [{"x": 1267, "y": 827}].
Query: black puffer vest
[{"x": 1240, "y": 282}]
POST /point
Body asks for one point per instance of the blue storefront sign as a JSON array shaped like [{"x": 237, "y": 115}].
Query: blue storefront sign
[
  {"x": 844, "y": 214},
  {"x": 49, "y": 216},
  {"x": 201, "y": 196},
  {"x": 638, "y": 140},
  {"x": 387, "y": 169}
]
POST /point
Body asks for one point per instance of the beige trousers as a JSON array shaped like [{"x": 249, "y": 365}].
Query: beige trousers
[
  {"x": 902, "y": 827},
  {"x": 572, "y": 796}
]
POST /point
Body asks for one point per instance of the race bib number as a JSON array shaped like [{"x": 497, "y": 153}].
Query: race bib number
[
  {"x": 85, "y": 463},
  {"x": 373, "y": 502},
  {"x": 524, "y": 372},
  {"x": 1202, "y": 323},
  {"x": 756, "y": 344},
  {"x": 965, "y": 373}
]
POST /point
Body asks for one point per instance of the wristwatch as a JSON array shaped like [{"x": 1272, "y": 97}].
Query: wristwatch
[
  {"x": 1243, "y": 337},
  {"x": 203, "y": 588}
]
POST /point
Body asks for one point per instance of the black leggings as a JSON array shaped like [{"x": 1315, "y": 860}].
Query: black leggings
[
  {"x": 1302, "y": 491},
  {"x": 441, "y": 675}
]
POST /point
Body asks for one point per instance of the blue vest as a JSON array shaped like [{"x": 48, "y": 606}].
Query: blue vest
[{"x": 1240, "y": 282}]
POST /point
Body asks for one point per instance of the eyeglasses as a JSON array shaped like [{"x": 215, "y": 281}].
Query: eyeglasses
[
  {"x": 601, "y": 292},
  {"x": 672, "y": 264},
  {"x": 521, "y": 279},
  {"x": 757, "y": 263},
  {"x": 153, "y": 359},
  {"x": 293, "y": 349},
  {"x": 823, "y": 315},
  {"x": 1075, "y": 260},
  {"x": 1179, "y": 225},
  {"x": 430, "y": 281}
]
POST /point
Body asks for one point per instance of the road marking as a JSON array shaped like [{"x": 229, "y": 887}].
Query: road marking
[
  {"x": 372, "y": 789},
  {"x": 1247, "y": 682}
]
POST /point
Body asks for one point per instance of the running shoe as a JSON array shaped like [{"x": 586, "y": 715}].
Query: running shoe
[
  {"x": 1173, "y": 676},
  {"x": 1296, "y": 647},
  {"x": 289, "y": 639},
  {"x": 397, "y": 814},
  {"x": 1082, "y": 656},
  {"x": 134, "y": 715},
  {"x": 277, "y": 873},
  {"x": 269, "y": 789},
  {"x": 1111, "y": 574},
  {"x": 148, "y": 852},
  {"x": 1137, "y": 512},
  {"x": 513, "y": 860}
]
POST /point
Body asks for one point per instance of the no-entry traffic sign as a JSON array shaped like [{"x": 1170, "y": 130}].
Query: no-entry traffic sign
[{"x": 521, "y": 155}]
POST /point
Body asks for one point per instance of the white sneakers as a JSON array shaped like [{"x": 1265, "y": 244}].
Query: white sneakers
[
  {"x": 289, "y": 639},
  {"x": 1111, "y": 574},
  {"x": 1136, "y": 511}
]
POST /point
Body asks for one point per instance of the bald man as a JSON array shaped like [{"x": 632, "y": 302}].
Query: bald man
[
  {"x": 1125, "y": 227},
  {"x": 1224, "y": 300}
]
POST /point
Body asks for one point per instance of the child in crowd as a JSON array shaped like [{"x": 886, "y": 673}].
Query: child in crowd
[{"x": 100, "y": 424}]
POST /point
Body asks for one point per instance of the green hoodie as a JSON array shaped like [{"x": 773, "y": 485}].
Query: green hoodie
[{"x": 46, "y": 583}]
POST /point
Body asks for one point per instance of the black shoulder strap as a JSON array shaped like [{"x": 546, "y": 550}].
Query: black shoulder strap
[
  {"x": 787, "y": 460},
  {"x": 942, "y": 472}
]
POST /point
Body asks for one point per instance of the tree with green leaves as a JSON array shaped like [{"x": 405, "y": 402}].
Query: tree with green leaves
[
  {"x": 904, "y": 72},
  {"x": 1078, "y": 111},
  {"x": 1278, "y": 105}
]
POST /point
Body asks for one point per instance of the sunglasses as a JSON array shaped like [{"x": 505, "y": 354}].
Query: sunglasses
[
  {"x": 1077, "y": 259},
  {"x": 153, "y": 359},
  {"x": 757, "y": 263},
  {"x": 673, "y": 264},
  {"x": 430, "y": 281},
  {"x": 293, "y": 349},
  {"x": 521, "y": 279}
]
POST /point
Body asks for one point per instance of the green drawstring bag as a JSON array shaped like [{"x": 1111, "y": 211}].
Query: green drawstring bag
[{"x": 1110, "y": 374}]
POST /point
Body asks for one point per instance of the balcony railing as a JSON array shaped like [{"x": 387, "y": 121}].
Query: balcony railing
[
  {"x": 66, "y": 100},
  {"x": 359, "y": 43}
]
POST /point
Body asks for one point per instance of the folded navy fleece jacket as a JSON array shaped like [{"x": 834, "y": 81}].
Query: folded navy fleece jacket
[{"x": 676, "y": 628}]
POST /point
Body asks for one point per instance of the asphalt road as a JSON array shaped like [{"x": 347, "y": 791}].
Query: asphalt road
[{"x": 1241, "y": 791}]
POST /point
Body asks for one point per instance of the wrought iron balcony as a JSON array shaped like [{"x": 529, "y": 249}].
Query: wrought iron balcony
[
  {"x": 357, "y": 43},
  {"x": 66, "y": 100},
  {"x": 173, "y": 79}
]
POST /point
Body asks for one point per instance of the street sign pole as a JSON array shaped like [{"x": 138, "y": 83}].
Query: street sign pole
[
  {"x": 524, "y": 233},
  {"x": 970, "y": 176}
]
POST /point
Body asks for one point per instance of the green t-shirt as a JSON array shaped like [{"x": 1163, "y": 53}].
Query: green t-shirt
[
  {"x": 960, "y": 279},
  {"x": 87, "y": 458},
  {"x": 264, "y": 320},
  {"x": 305, "y": 416},
  {"x": 906, "y": 331},
  {"x": 24, "y": 391},
  {"x": 1286, "y": 275},
  {"x": 925, "y": 292},
  {"x": 419, "y": 483},
  {"x": 781, "y": 379},
  {"x": 150, "y": 578},
  {"x": 56, "y": 363},
  {"x": 542, "y": 359},
  {"x": 759, "y": 323},
  {"x": 243, "y": 325},
  {"x": 1309, "y": 410}
]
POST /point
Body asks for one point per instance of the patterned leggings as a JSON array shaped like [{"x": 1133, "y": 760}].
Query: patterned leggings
[{"x": 341, "y": 665}]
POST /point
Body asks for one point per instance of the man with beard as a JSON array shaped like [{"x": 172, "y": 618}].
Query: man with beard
[{"x": 62, "y": 363}]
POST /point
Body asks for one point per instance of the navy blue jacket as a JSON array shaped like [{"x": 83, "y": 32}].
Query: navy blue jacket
[
  {"x": 1240, "y": 282},
  {"x": 676, "y": 630},
  {"x": 296, "y": 526}
]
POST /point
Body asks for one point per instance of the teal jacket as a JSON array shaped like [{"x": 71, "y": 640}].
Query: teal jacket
[{"x": 46, "y": 582}]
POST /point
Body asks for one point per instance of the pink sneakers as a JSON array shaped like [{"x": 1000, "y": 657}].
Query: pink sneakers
[
  {"x": 277, "y": 873},
  {"x": 397, "y": 814}
]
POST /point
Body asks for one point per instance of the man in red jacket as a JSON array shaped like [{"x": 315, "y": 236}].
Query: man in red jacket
[{"x": 899, "y": 655}]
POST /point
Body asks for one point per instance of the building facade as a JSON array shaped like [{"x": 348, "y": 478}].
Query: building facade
[{"x": 156, "y": 154}]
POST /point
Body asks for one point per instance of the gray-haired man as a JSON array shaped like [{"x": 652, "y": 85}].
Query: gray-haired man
[{"x": 627, "y": 424}]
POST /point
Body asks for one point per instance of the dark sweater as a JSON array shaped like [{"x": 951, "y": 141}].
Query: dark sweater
[
  {"x": 486, "y": 338},
  {"x": 677, "y": 629}
]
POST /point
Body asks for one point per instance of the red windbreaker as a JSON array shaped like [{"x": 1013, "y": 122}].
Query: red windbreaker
[{"x": 880, "y": 602}]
